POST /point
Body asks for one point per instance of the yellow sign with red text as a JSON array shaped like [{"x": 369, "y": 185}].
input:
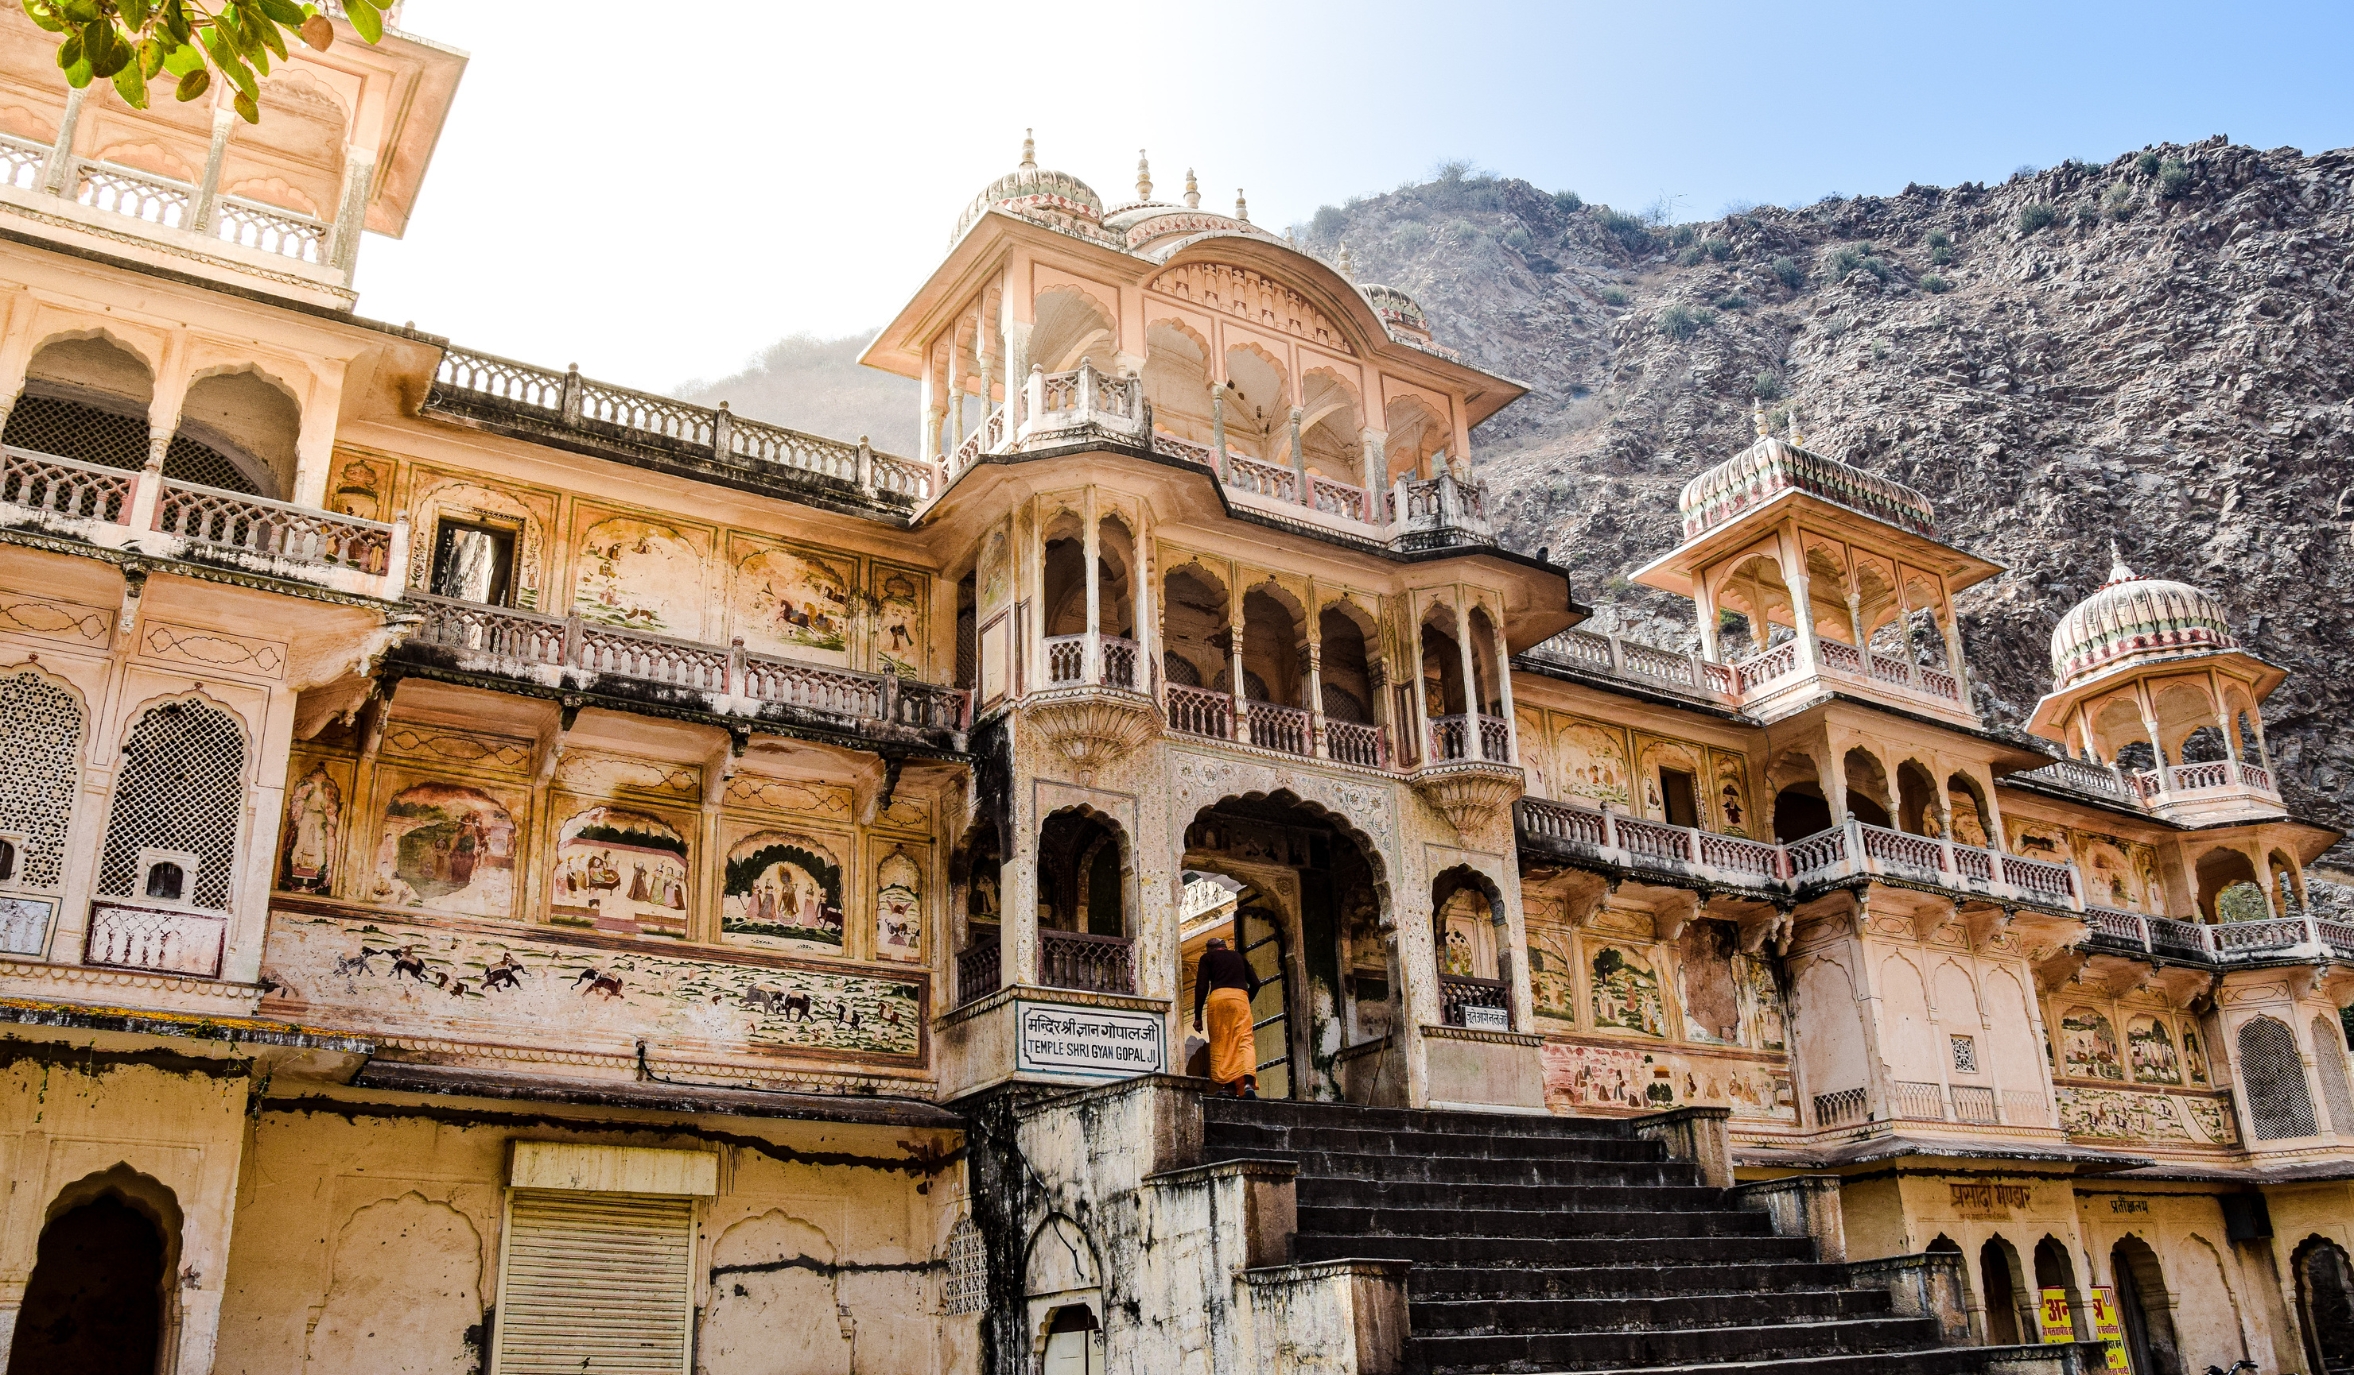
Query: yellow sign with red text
[
  {"x": 2058, "y": 1324},
  {"x": 2109, "y": 1326}
]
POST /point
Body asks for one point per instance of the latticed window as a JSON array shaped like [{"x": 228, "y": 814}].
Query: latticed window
[
  {"x": 2329, "y": 1057},
  {"x": 77, "y": 430},
  {"x": 42, "y": 725},
  {"x": 966, "y": 1289},
  {"x": 2275, "y": 1077},
  {"x": 181, "y": 789}
]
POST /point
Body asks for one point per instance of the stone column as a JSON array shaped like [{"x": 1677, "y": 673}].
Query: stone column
[
  {"x": 200, "y": 215},
  {"x": 1091, "y": 547},
  {"x": 1417, "y": 694},
  {"x": 927, "y": 449},
  {"x": 1802, "y": 611},
  {"x": 58, "y": 177},
  {"x": 1472, "y": 748},
  {"x": 1955, "y": 662},
  {"x": 1512, "y": 723},
  {"x": 1377, "y": 466},
  {"x": 1218, "y": 427},
  {"x": 359, "y": 169},
  {"x": 1704, "y": 617},
  {"x": 1299, "y": 461},
  {"x": 1312, "y": 656},
  {"x": 1234, "y": 655},
  {"x": 1148, "y": 637}
]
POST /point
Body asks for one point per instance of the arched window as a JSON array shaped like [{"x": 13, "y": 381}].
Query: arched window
[
  {"x": 2274, "y": 1076},
  {"x": 39, "y": 772},
  {"x": 2329, "y": 1057},
  {"x": 181, "y": 789}
]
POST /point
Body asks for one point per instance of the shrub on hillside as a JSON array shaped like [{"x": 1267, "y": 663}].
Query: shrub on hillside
[
  {"x": 1787, "y": 272},
  {"x": 1630, "y": 231},
  {"x": 2120, "y": 202},
  {"x": 1614, "y": 295},
  {"x": 1679, "y": 322},
  {"x": 2147, "y": 163},
  {"x": 1517, "y": 236},
  {"x": 2174, "y": 178},
  {"x": 1327, "y": 222},
  {"x": 1935, "y": 285},
  {"x": 2035, "y": 215},
  {"x": 1717, "y": 249},
  {"x": 1568, "y": 202},
  {"x": 1766, "y": 386}
]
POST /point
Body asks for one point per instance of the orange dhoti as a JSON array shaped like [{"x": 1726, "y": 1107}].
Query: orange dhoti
[{"x": 1233, "y": 1052}]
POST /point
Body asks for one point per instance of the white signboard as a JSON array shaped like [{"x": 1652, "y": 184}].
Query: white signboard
[
  {"x": 1487, "y": 1019},
  {"x": 1087, "y": 1042}
]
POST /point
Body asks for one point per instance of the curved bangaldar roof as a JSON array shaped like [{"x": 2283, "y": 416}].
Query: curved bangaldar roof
[
  {"x": 2131, "y": 619},
  {"x": 1772, "y": 466},
  {"x": 1050, "y": 197}
]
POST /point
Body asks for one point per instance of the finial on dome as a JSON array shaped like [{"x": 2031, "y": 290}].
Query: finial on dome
[
  {"x": 1348, "y": 270},
  {"x": 1143, "y": 177},
  {"x": 1757, "y": 417},
  {"x": 1029, "y": 151},
  {"x": 1193, "y": 191},
  {"x": 1797, "y": 439},
  {"x": 2118, "y": 572},
  {"x": 1242, "y": 209}
]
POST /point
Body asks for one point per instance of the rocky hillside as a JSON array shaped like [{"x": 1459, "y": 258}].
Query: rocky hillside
[{"x": 2156, "y": 350}]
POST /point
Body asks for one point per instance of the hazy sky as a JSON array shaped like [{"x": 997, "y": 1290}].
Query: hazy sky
[{"x": 656, "y": 191}]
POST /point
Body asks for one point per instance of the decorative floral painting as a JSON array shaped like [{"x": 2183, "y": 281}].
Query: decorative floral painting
[
  {"x": 2088, "y": 1045},
  {"x": 794, "y": 604},
  {"x": 784, "y": 891},
  {"x": 1552, "y": 972},
  {"x": 446, "y": 847},
  {"x": 899, "y": 907},
  {"x": 640, "y": 575},
  {"x": 1626, "y": 993},
  {"x": 620, "y": 871},
  {"x": 2150, "y": 1050},
  {"x": 899, "y": 621},
  {"x": 1594, "y": 764},
  {"x": 314, "y": 825}
]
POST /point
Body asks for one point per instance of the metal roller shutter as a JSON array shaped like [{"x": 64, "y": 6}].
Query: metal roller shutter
[{"x": 595, "y": 1284}]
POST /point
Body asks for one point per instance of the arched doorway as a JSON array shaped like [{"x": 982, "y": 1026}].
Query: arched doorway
[
  {"x": 1998, "y": 1265},
  {"x": 2054, "y": 1270},
  {"x": 2325, "y": 1304},
  {"x": 1474, "y": 950},
  {"x": 2143, "y": 1303},
  {"x": 1307, "y": 914},
  {"x": 95, "y": 1303},
  {"x": 1083, "y": 904}
]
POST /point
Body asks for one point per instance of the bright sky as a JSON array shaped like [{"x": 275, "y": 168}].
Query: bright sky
[{"x": 657, "y": 191}]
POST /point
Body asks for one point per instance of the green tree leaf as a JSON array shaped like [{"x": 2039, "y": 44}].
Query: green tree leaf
[
  {"x": 70, "y": 51},
  {"x": 283, "y": 12},
  {"x": 247, "y": 109},
  {"x": 183, "y": 59},
  {"x": 226, "y": 59},
  {"x": 131, "y": 86},
  {"x": 271, "y": 38},
  {"x": 134, "y": 13},
  {"x": 193, "y": 84},
  {"x": 150, "y": 58},
  {"x": 78, "y": 75},
  {"x": 80, "y": 11},
  {"x": 44, "y": 16},
  {"x": 365, "y": 18}
]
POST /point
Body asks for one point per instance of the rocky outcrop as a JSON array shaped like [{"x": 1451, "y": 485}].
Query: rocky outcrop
[{"x": 2155, "y": 351}]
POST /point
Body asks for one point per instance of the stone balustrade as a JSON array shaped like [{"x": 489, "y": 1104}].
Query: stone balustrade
[{"x": 149, "y": 513}]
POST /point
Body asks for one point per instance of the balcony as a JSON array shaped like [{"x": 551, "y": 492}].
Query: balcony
[
  {"x": 1081, "y": 960},
  {"x": 1754, "y": 684},
  {"x": 2188, "y": 794},
  {"x": 978, "y": 964},
  {"x": 571, "y": 654},
  {"x": 702, "y": 442},
  {"x": 1480, "y": 1004},
  {"x": 2242, "y": 942},
  {"x": 151, "y": 514},
  {"x": 1211, "y": 715},
  {"x": 1089, "y": 406}
]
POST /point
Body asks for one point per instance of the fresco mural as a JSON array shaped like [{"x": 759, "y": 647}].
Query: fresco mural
[
  {"x": 2039, "y": 840},
  {"x": 1552, "y": 972},
  {"x": 446, "y": 847},
  {"x": 1705, "y": 978},
  {"x": 314, "y": 826},
  {"x": 784, "y": 892},
  {"x": 793, "y": 604},
  {"x": 1626, "y": 993},
  {"x": 2088, "y": 1045},
  {"x": 899, "y": 620},
  {"x": 1969, "y": 823},
  {"x": 1765, "y": 1025},
  {"x": 2108, "y": 875},
  {"x": 1668, "y": 754},
  {"x": 552, "y": 991},
  {"x": 1621, "y": 1078},
  {"x": 2121, "y": 1115},
  {"x": 619, "y": 871},
  {"x": 1466, "y": 928},
  {"x": 1732, "y": 794},
  {"x": 1594, "y": 764},
  {"x": 2150, "y": 1050},
  {"x": 899, "y": 907},
  {"x": 995, "y": 577},
  {"x": 2194, "y": 1056},
  {"x": 641, "y": 575}
]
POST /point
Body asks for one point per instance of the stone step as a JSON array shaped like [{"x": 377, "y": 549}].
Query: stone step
[
  {"x": 1467, "y": 1169},
  {"x": 1946, "y": 1360},
  {"x": 1548, "y": 1254},
  {"x": 1325, "y": 1191},
  {"x": 1225, "y": 1140},
  {"x": 1567, "y": 1351},
  {"x": 1620, "y": 1281},
  {"x": 1680, "y": 1312},
  {"x": 1505, "y": 1222},
  {"x": 1284, "y": 1112}
]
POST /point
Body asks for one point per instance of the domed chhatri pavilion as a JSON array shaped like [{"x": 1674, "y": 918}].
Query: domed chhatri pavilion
[{"x": 504, "y": 871}]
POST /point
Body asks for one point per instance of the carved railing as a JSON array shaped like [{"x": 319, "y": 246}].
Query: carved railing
[
  {"x": 1198, "y": 711},
  {"x": 1066, "y": 661},
  {"x": 2040, "y": 878},
  {"x": 140, "y": 195},
  {"x": 64, "y": 487},
  {"x": 1756, "y": 860},
  {"x": 232, "y": 522},
  {"x": 1273, "y": 727},
  {"x": 1458, "y": 992},
  {"x": 1770, "y": 667},
  {"x": 977, "y": 965},
  {"x": 1261, "y": 479},
  {"x": 524, "y": 642},
  {"x": 163, "y": 940},
  {"x": 2026, "y": 1108},
  {"x": 2078, "y": 776},
  {"x": 1914, "y": 1100},
  {"x": 1086, "y": 395},
  {"x": 1119, "y": 660},
  {"x": 1470, "y": 737},
  {"x": 2187, "y": 777},
  {"x": 22, "y": 162},
  {"x": 603, "y": 410},
  {"x": 1839, "y": 1108},
  {"x": 1614, "y": 836},
  {"x": 1170, "y": 446},
  {"x": 270, "y": 229},
  {"x": 1824, "y": 852},
  {"x": 1348, "y": 742},
  {"x": 2255, "y": 776},
  {"x": 1078, "y": 959},
  {"x": 2245, "y": 938},
  {"x": 1340, "y": 499},
  {"x": 1917, "y": 853},
  {"x": 1974, "y": 1103}
]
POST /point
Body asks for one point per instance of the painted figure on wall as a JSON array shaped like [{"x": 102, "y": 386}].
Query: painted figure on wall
[
  {"x": 2150, "y": 1050},
  {"x": 899, "y": 623},
  {"x": 1732, "y": 795},
  {"x": 1626, "y": 993},
  {"x": 1761, "y": 1005},
  {"x": 2194, "y": 1056},
  {"x": 793, "y": 604},
  {"x": 1552, "y": 972},
  {"x": 1609, "y": 1077},
  {"x": 640, "y": 575},
  {"x": 1594, "y": 765},
  {"x": 899, "y": 907},
  {"x": 314, "y": 822},
  {"x": 2108, "y": 877},
  {"x": 2088, "y": 1045},
  {"x": 620, "y": 871},
  {"x": 784, "y": 892},
  {"x": 446, "y": 847}
]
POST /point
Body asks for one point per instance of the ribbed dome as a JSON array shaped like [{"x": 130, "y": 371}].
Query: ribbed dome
[
  {"x": 1769, "y": 467},
  {"x": 2130, "y": 618},
  {"x": 1037, "y": 193}
]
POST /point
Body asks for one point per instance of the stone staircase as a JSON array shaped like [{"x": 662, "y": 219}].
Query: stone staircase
[{"x": 1572, "y": 1244}]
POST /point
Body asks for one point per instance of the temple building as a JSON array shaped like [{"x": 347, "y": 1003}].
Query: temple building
[{"x": 504, "y": 872}]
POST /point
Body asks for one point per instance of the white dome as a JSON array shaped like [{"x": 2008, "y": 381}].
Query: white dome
[{"x": 2131, "y": 619}]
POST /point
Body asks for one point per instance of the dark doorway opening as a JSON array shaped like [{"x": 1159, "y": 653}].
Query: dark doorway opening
[{"x": 94, "y": 1305}]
